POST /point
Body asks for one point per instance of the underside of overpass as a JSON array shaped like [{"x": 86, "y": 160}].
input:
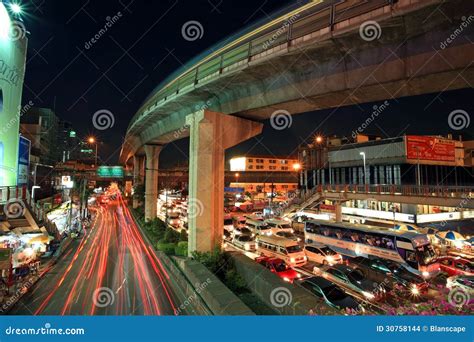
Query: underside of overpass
[{"x": 326, "y": 65}]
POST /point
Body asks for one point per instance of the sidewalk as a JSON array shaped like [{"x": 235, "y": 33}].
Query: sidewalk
[{"x": 20, "y": 288}]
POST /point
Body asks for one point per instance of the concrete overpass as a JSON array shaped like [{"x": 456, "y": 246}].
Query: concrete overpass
[{"x": 322, "y": 55}]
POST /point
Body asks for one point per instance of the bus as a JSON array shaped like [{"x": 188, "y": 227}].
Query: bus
[
  {"x": 278, "y": 247},
  {"x": 411, "y": 249}
]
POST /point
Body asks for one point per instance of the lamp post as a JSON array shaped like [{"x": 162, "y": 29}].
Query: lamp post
[
  {"x": 92, "y": 140},
  {"x": 365, "y": 170}
]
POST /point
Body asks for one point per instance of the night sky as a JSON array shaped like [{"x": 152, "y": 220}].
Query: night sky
[{"x": 145, "y": 45}]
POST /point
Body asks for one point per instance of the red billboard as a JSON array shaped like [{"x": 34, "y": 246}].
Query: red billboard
[{"x": 430, "y": 148}]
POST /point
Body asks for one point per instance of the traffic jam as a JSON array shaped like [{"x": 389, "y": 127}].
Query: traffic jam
[{"x": 356, "y": 268}]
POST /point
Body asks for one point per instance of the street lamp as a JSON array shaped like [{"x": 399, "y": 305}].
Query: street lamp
[
  {"x": 237, "y": 175},
  {"x": 16, "y": 8},
  {"x": 365, "y": 171},
  {"x": 319, "y": 139},
  {"x": 93, "y": 140},
  {"x": 296, "y": 167}
]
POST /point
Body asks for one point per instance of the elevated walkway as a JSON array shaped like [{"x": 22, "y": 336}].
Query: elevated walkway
[{"x": 458, "y": 197}]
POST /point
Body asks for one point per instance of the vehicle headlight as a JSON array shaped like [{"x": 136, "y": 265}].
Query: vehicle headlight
[
  {"x": 414, "y": 290},
  {"x": 425, "y": 274},
  {"x": 298, "y": 275},
  {"x": 247, "y": 246},
  {"x": 286, "y": 279},
  {"x": 292, "y": 260},
  {"x": 330, "y": 259},
  {"x": 368, "y": 295},
  {"x": 292, "y": 230}
]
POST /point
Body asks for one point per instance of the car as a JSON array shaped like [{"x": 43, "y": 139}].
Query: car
[
  {"x": 174, "y": 222},
  {"x": 453, "y": 266},
  {"x": 227, "y": 236},
  {"x": 238, "y": 221},
  {"x": 288, "y": 235},
  {"x": 278, "y": 225},
  {"x": 466, "y": 283},
  {"x": 389, "y": 275},
  {"x": 332, "y": 294},
  {"x": 258, "y": 227},
  {"x": 280, "y": 268},
  {"x": 322, "y": 254},
  {"x": 355, "y": 280},
  {"x": 228, "y": 224},
  {"x": 246, "y": 242},
  {"x": 242, "y": 231}
]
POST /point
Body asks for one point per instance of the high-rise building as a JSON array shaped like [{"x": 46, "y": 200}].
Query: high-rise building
[
  {"x": 40, "y": 126},
  {"x": 68, "y": 142}
]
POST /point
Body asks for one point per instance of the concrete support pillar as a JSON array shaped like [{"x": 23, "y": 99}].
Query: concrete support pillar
[
  {"x": 141, "y": 168},
  {"x": 338, "y": 212},
  {"x": 136, "y": 177},
  {"x": 151, "y": 180},
  {"x": 211, "y": 134}
]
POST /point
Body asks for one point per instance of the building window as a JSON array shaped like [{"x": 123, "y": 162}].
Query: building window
[
  {"x": 250, "y": 160},
  {"x": 382, "y": 174},
  {"x": 283, "y": 161},
  {"x": 250, "y": 167},
  {"x": 397, "y": 175},
  {"x": 272, "y": 161}
]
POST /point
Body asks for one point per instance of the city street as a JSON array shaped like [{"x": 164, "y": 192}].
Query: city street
[{"x": 110, "y": 270}]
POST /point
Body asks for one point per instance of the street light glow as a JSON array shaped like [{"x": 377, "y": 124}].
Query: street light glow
[
  {"x": 297, "y": 166},
  {"x": 319, "y": 139},
  {"x": 16, "y": 8},
  {"x": 91, "y": 140}
]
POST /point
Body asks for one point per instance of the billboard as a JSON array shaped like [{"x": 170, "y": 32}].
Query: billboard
[
  {"x": 426, "y": 148},
  {"x": 23, "y": 161},
  {"x": 12, "y": 68},
  {"x": 110, "y": 172}
]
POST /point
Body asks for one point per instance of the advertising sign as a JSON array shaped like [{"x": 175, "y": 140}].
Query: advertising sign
[
  {"x": 23, "y": 161},
  {"x": 12, "y": 66},
  {"x": 430, "y": 148},
  {"x": 67, "y": 182},
  {"x": 110, "y": 172}
]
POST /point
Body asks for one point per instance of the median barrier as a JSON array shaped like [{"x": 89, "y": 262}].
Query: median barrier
[{"x": 283, "y": 297}]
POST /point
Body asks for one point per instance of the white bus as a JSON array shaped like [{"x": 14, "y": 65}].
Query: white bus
[
  {"x": 411, "y": 249},
  {"x": 277, "y": 247}
]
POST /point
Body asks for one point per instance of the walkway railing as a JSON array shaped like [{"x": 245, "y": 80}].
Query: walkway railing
[
  {"x": 273, "y": 36},
  {"x": 401, "y": 190}
]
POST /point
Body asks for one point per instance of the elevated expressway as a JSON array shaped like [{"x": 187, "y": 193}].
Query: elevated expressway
[{"x": 317, "y": 56}]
